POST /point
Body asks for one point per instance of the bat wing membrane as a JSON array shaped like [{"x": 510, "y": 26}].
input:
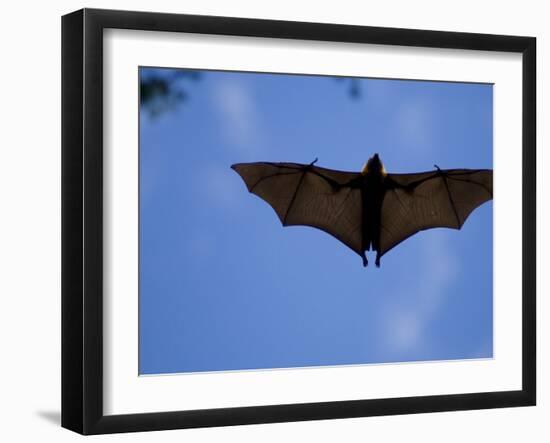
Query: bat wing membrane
[
  {"x": 443, "y": 198},
  {"x": 309, "y": 195}
]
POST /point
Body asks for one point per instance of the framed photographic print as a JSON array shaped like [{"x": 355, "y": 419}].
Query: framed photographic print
[{"x": 403, "y": 164}]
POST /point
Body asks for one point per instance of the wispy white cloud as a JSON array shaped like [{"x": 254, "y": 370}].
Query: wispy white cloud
[
  {"x": 414, "y": 125},
  {"x": 239, "y": 115},
  {"x": 406, "y": 324},
  {"x": 442, "y": 272},
  {"x": 405, "y": 331}
]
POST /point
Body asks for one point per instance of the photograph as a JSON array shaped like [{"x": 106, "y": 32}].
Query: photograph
[
  {"x": 270, "y": 221},
  {"x": 299, "y": 221}
]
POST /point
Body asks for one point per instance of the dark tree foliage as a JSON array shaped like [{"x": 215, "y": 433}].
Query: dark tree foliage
[
  {"x": 163, "y": 90},
  {"x": 354, "y": 86}
]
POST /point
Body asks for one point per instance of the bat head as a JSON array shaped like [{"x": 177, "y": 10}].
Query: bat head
[{"x": 374, "y": 166}]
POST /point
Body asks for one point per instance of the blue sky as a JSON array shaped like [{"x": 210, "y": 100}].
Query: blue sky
[{"x": 223, "y": 286}]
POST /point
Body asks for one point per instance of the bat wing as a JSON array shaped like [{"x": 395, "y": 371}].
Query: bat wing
[
  {"x": 308, "y": 195},
  {"x": 441, "y": 198}
]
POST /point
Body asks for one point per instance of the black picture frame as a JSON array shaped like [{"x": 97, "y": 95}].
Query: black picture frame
[{"x": 82, "y": 218}]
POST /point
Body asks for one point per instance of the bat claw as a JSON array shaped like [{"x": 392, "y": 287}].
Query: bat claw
[
  {"x": 365, "y": 261},
  {"x": 377, "y": 262}
]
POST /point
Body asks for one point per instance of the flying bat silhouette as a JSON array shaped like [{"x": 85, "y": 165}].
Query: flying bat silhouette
[{"x": 371, "y": 209}]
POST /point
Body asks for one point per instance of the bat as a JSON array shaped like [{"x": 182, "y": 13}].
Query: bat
[{"x": 371, "y": 209}]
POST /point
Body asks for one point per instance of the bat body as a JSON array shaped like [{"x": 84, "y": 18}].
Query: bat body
[{"x": 371, "y": 209}]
